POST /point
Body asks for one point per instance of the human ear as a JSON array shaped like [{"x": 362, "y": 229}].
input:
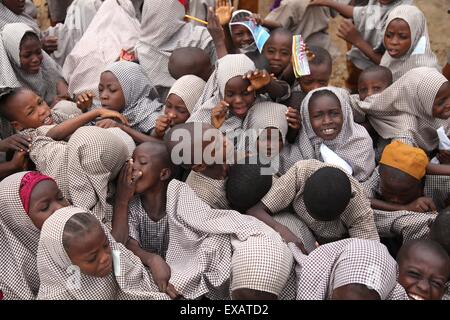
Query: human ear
[{"x": 165, "y": 174}]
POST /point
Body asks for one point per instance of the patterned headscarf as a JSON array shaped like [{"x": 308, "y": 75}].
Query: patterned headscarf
[
  {"x": 348, "y": 261},
  {"x": 353, "y": 144},
  {"x": 44, "y": 82},
  {"x": 404, "y": 110},
  {"x": 163, "y": 30},
  {"x": 29, "y": 181},
  {"x": 419, "y": 33},
  {"x": 141, "y": 105},
  {"x": 237, "y": 19},
  {"x": 189, "y": 88},
  {"x": 7, "y": 16},
  {"x": 19, "y": 243},
  {"x": 128, "y": 281}
]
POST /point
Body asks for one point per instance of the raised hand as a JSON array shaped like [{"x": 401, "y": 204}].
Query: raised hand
[
  {"x": 49, "y": 44},
  {"x": 84, "y": 100},
  {"x": 162, "y": 124},
  {"x": 215, "y": 27},
  {"x": 223, "y": 11},
  {"x": 126, "y": 183},
  {"x": 219, "y": 114},
  {"x": 258, "y": 79},
  {"x": 293, "y": 118},
  {"x": 348, "y": 32}
]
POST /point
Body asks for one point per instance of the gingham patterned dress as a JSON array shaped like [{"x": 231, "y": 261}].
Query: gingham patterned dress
[
  {"x": 44, "y": 82},
  {"x": 59, "y": 281},
  {"x": 163, "y": 30},
  {"x": 353, "y": 144},
  {"x": 7, "y": 16},
  {"x": 214, "y": 251},
  {"x": 113, "y": 28},
  {"x": 356, "y": 221},
  {"x": 419, "y": 30},
  {"x": 142, "y": 106},
  {"x": 370, "y": 21},
  {"x": 19, "y": 241},
  {"x": 404, "y": 110},
  {"x": 348, "y": 261}
]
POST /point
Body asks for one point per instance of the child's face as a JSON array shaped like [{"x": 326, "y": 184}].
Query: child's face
[
  {"x": 397, "y": 190},
  {"x": 319, "y": 78},
  {"x": 423, "y": 274},
  {"x": 278, "y": 50},
  {"x": 441, "y": 104},
  {"x": 16, "y": 6},
  {"x": 150, "y": 167},
  {"x": 241, "y": 36},
  {"x": 397, "y": 38},
  {"x": 45, "y": 199},
  {"x": 371, "y": 84},
  {"x": 238, "y": 97},
  {"x": 326, "y": 117},
  {"x": 270, "y": 142},
  {"x": 111, "y": 94},
  {"x": 91, "y": 253},
  {"x": 31, "y": 111},
  {"x": 176, "y": 109},
  {"x": 31, "y": 56}
]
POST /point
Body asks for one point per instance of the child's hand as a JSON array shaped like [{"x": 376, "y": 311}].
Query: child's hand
[
  {"x": 106, "y": 113},
  {"x": 324, "y": 3},
  {"x": 16, "y": 142},
  {"x": 160, "y": 271},
  {"x": 20, "y": 160},
  {"x": 293, "y": 118},
  {"x": 49, "y": 44},
  {"x": 258, "y": 79},
  {"x": 289, "y": 237},
  {"x": 126, "y": 183},
  {"x": 422, "y": 204},
  {"x": 219, "y": 113},
  {"x": 162, "y": 124},
  {"x": 443, "y": 157},
  {"x": 84, "y": 101},
  {"x": 256, "y": 18},
  {"x": 223, "y": 11},
  {"x": 106, "y": 123},
  {"x": 348, "y": 32}
]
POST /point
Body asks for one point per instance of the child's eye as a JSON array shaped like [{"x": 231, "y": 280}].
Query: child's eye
[
  {"x": 44, "y": 207},
  {"x": 413, "y": 274},
  {"x": 437, "y": 284},
  {"x": 92, "y": 260}
]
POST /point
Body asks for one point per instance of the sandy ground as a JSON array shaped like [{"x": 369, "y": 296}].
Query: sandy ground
[{"x": 435, "y": 11}]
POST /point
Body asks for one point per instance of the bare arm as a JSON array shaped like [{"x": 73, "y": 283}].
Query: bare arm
[
  {"x": 145, "y": 256},
  {"x": 438, "y": 169},
  {"x": 344, "y": 9},
  {"x": 385, "y": 206},
  {"x": 137, "y": 136}
]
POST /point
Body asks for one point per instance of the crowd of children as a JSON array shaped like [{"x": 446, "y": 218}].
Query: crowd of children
[{"x": 154, "y": 149}]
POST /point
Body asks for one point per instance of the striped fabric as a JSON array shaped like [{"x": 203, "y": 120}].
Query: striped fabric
[
  {"x": 142, "y": 106},
  {"x": 353, "y": 144},
  {"x": 132, "y": 282},
  {"x": 348, "y": 261},
  {"x": 404, "y": 110},
  {"x": 418, "y": 26}
]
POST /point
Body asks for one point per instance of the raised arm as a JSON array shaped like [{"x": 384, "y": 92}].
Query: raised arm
[{"x": 344, "y": 9}]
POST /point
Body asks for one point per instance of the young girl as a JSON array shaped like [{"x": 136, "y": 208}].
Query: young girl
[
  {"x": 77, "y": 258},
  {"x": 328, "y": 128},
  {"x": 125, "y": 88},
  {"x": 180, "y": 102},
  {"x": 28, "y": 199},
  {"x": 407, "y": 42},
  {"x": 411, "y": 109},
  {"x": 33, "y": 68}
]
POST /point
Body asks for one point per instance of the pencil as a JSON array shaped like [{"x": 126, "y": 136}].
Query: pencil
[{"x": 196, "y": 19}]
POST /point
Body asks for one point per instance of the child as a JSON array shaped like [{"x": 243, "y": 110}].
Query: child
[
  {"x": 327, "y": 123},
  {"x": 158, "y": 40},
  {"x": 85, "y": 164},
  {"x": 331, "y": 203},
  {"x": 28, "y": 199},
  {"x": 349, "y": 269},
  {"x": 180, "y": 102},
  {"x": 373, "y": 80},
  {"x": 125, "y": 88},
  {"x": 192, "y": 223},
  {"x": 278, "y": 51},
  {"x": 77, "y": 258},
  {"x": 411, "y": 109},
  {"x": 33, "y": 68},
  {"x": 424, "y": 269},
  {"x": 407, "y": 42},
  {"x": 189, "y": 60}
]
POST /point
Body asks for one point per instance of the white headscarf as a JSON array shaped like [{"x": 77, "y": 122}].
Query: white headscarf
[{"x": 189, "y": 88}]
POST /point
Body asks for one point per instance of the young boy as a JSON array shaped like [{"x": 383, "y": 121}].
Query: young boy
[
  {"x": 404, "y": 199},
  {"x": 373, "y": 80},
  {"x": 190, "y": 60},
  {"x": 160, "y": 202},
  {"x": 424, "y": 269}
]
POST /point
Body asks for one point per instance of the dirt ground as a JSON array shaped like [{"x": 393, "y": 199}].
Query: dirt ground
[{"x": 435, "y": 11}]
